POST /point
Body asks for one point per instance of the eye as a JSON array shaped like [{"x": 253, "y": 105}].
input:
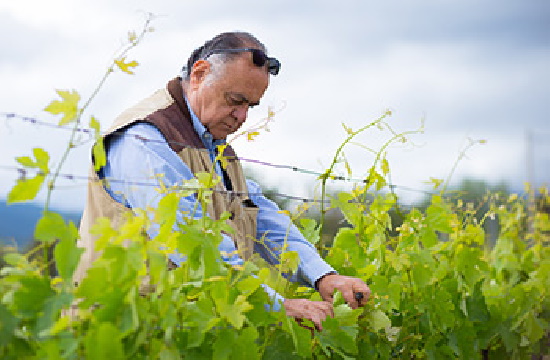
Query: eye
[{"x": 235, "y": 99}]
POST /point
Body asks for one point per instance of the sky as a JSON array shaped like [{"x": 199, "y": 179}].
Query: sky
[{"x": 462, "y": 70}]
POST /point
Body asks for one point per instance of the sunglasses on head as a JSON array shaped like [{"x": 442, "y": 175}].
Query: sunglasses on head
[{"x": 259, "y": 58}]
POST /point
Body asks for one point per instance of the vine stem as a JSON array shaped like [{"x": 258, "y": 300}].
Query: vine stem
[
  {"x": 133, "y": 42},
  {"x": 459, "y": 158},
  {"x": 352, "y": 134},
  {"x": 327, "y": 174},
  {"x": 395, "y": 137}
]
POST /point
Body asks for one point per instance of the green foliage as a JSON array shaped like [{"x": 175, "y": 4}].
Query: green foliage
[
  {"x": 432, "y": 298},
  {"x": 27, "y": 188},
  {"x": 68, "y": 106}
]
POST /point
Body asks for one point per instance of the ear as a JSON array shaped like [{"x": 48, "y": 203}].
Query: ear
[{"x": 200, "y": 69}]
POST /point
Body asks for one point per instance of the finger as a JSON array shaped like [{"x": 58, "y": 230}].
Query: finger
[
  {"x": 362, "y": 294},
  {"x": 327, "y": 296},
  {"x": 368, "y": 293},
  {"x": 326, "y": 308},
  {"x": 359, "y": 296},
  {"x": 317, "y": 321},
  {"x": 349, "y": 296},
  {"x": 320, "y": 317},
  {"x": 330, "y": 309}
]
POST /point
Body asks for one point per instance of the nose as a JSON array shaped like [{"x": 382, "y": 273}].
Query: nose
[{"x": 240, "y": 113}]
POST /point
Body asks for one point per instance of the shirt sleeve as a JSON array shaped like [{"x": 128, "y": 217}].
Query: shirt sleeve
[
  {"x": 278, "y": 231},
  {"x": 139, "y": 160}
]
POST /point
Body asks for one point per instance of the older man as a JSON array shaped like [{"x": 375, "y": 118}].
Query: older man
[{"x": 176, "y": 132}]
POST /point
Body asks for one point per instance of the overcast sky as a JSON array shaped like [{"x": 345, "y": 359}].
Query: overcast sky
[{"x": 471, "y": 69}]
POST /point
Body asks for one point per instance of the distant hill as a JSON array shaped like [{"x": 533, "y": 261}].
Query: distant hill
[{"x": 17, "y": 222}]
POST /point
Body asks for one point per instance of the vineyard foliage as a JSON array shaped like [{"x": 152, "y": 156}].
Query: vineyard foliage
[{"x": 440, "y": 290}]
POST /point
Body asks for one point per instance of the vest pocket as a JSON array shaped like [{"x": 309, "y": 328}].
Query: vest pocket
[
  {"x": 250, "y": 218},
  {"x": 244, "y": 215}
]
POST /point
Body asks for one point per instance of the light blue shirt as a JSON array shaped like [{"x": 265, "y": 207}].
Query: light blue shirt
[{"x": 141, "y": 152}]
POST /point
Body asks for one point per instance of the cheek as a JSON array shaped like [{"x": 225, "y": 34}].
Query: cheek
[
  {"x": 209, "y": 112},
  {"x": 216, "y": 115},
  {"x": 216, "y": 108}
]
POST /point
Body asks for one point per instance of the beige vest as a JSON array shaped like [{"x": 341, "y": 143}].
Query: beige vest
[{"x": 167, "y": 110}]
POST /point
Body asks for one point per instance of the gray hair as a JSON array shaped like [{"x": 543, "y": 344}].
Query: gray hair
[
  {"x": 217, "y": 67},
  {"x": 227, "y": 40}
]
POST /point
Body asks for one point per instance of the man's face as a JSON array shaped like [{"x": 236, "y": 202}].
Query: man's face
[{"x": 222, "y": 104}]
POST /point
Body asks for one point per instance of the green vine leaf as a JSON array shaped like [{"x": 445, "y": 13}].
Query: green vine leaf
[
  {"x": 104, "y": 342},
  {"x": 40, "y": 161},
  {"x": 436, "y": 183},
  {"x": 26, "y": 189},
  {"x": 67, "y": 253},
  {"x": 26, "y": 161},
  {"x": 98, "y": 150},
  {"x": 385, "y": 166},
  {"x": 99, "y": 154},
  {"x": 51, "y": 227},
  {"x": 68, "y": 106},
  {"x": 310, "y": 230},
  {"x": 33, "y": 293},
  {"x": 349, "y": 131},
  {"x": 126, "y": 66},
  {"x": 378, "y": 320},
  {"x": 8, "y": 325}
]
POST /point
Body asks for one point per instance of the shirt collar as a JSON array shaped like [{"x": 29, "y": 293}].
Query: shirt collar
[{"x": 202, "y": 131}]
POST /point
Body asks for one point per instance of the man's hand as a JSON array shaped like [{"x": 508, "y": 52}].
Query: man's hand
[
  {"x": 316, "y": 311},
  {"x": 348, "y": 286}
]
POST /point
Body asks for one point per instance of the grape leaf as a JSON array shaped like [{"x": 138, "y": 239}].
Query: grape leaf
[
  {"x": 310, "y": 230},
  {"x": 67, "y": 254},
  {"x": 126, "y": 66},
  {"x": 26, "y": 189},
  {"x": 378, "y": 320},
  {"x": 8, "y": 324},
  {"x": 51, "y": 227},
  {"x": 103, "y": 341},
  {"x": 41, "y": 160},
  {"x": 251, "y": 135},
  {"x": 68, "y": 106}
]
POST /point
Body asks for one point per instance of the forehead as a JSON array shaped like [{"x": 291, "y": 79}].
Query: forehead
[{"x": 241, "y": 76}]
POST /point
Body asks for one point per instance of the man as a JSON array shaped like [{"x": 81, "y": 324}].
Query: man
[{"x": 175, "y": 132}]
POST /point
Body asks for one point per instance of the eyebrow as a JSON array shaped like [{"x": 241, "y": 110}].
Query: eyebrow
[{"x": 242, "y": 98}]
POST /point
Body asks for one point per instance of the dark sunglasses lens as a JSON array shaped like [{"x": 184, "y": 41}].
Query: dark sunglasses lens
[
  {"x": 273, "y": 66},
  {"x": 258, "y": 57}
]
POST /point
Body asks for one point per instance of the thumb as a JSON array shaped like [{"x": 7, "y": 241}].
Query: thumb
[
  {"x": 325, "y": 287},
  {"x": 327, "y": 295}
]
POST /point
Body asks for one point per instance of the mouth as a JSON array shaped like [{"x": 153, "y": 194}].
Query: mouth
[{"x": 230, "y": 127}]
